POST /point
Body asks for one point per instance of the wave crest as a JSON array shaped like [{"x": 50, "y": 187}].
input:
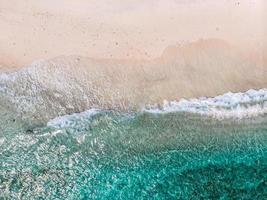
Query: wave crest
[{"x": 230, "y": 105}]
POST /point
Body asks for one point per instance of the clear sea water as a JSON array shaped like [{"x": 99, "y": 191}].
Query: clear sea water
[{"x": 136, "y": 156}]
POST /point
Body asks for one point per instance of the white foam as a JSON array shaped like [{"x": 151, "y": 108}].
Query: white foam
[
  {"x": 73, "y": 119},
  {"x": 230, "y": 105},
  {"x": 2, "y": 140}
]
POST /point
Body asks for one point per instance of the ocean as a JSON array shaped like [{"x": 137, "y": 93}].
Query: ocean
[
  {"x": 102, "y": 154},
  {"x": 60, "y": 138}
]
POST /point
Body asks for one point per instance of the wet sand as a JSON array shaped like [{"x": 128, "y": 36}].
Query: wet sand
[{"x": 202, "y": 68}]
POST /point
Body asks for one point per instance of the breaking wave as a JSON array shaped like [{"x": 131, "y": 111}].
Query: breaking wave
[
  {"x": 73, "y": 120},
  {"x": 240, "y": 105},
  {"x": 230, "y": 105}
]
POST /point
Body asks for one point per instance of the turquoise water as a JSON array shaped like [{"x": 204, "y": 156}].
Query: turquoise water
[{"x": 136, "y": 156}]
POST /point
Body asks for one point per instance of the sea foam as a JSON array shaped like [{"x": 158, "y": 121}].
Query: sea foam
[
  {"x": 72, "y": 120},
  {"x": 229, "y": 105},
  {"x": 239, "y": 105}
]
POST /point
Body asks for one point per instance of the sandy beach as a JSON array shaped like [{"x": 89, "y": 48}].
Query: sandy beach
[
  {"x": 37, "y": 29},
  {"x": 162, "y": 49}
]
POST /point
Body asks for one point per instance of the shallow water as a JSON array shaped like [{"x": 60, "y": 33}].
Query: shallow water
[{"x": 110, "y": 155}]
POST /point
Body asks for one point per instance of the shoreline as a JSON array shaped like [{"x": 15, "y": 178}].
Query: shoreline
[{"x": 68, "y": 84}]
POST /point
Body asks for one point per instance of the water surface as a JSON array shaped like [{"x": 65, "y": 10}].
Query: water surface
[{"x": 110, "y": 155}]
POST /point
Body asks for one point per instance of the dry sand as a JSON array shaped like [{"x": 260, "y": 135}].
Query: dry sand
[{"x": 142, "y": 29}]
